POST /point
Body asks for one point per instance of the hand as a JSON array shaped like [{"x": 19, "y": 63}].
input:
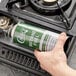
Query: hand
[{"x": 55, "y": 61}]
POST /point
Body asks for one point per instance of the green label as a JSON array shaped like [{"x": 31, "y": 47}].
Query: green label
[
  {"x": 27, "y": 37},
  {"x": 33, "y": 37}
]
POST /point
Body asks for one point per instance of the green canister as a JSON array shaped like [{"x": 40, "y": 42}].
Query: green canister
[{"x": 33, "y": 37}]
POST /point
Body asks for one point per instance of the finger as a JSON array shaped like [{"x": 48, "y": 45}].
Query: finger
[
  {"x": 61, "y": 41},
  {"x": 38, "y": 55},
  {"x": 42, "y": 66}
]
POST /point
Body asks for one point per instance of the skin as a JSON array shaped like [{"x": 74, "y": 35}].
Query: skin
[{"x": 55, "y": 61}]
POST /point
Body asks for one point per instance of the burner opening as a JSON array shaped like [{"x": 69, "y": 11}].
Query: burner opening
[
  {"x": 49, "y": 2},
  {"x": 49, "y": 7},
  {"x": 46, "y": 2}
]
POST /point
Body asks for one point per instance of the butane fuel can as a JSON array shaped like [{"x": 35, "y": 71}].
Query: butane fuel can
[{"x": 33, "y": 37}]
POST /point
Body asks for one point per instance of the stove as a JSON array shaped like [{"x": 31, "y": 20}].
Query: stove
[{"x": 58, "y": 16}]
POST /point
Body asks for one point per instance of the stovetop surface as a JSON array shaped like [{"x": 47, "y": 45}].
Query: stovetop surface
[
  {"x": 58, "y": 21},
  {"x": 55, "y": 21}
]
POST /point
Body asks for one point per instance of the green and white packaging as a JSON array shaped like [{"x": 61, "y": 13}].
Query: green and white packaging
[{"x": 33, "y": 37}]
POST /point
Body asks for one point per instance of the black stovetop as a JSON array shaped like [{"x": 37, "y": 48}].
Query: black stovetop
[
  {"x": 51, "y": 18},
  {"x": 60, "y": 18}
]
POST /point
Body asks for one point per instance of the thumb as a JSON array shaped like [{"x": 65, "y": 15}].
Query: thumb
[
  {"x": 61, "y": 41},
  {"x": 39, "y": 55}
]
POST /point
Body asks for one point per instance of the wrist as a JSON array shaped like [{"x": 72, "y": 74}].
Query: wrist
[{"x": 62, "y": 70}]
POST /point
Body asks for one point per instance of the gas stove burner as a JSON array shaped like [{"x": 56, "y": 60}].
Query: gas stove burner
[{"x": 49, "y": 7}]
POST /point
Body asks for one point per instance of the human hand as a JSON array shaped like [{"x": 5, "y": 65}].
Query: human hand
[{"x": 54, "y": 61}]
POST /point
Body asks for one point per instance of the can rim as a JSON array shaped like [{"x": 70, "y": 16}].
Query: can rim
[{"x": 14, "y": 28}]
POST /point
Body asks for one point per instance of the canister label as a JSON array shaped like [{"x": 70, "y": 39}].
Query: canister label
[{"x": 34, "y": 37}]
